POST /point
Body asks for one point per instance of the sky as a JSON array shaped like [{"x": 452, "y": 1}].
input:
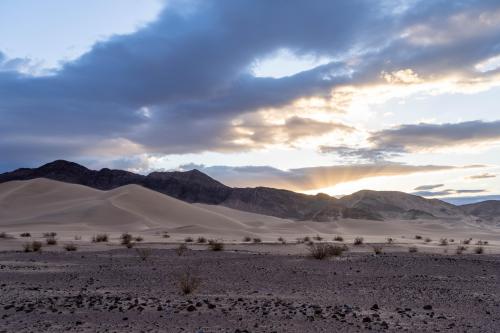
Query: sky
[{"x": 322, "y": 96}]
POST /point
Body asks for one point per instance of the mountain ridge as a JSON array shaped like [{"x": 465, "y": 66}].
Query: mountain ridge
[{"x": 196, "y": 187}]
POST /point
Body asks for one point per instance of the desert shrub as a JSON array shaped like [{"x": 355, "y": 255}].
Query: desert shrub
[
  {"x": 461, "y": 249},
  {"x": 188, "y": 282},
  {"x": 143, "y": 253},
  {"x": 390, "y": 240},
  {"x": 215, "y": 245},
  {"x": 25, "y": 234},
  {"x": 418, "y": 237},
  {"x": 70, "y": 247},
  {"x": 358, "y": 241},
  {"x": 281, "y": 240},
  {"x": 318, "y": 238},
  {"x": 34, "y": 246},
  {"x": 126, "y": 238},
  {"x": 306, "y": 239},
  {"x": 479, "y": 250},
  {"x": 27, "y": 247},
  {"x": 201, "y": 240},
  {"x": 480, "y": 242},
  {"x": 100, "y": 238},
  {"x": 129, "y": 245},
  {"x": 412, "y": 249},
  {"x": 51, "y": 241},
  {"x": 138, "y": 239},
  {"x": 188, "y": 239},
  {"x": 336, "y": 250},
  {"x": 428, "y": 240},
  {"x": 4, "y": 235},
  {"x": 378, "y": 249},
  {"x": 318, "y": 251},
  {"x": 50, "y": 234},
  {"x": 443, "y": 242},
  {"x": 466, "y": 241},
  {"x": 165, "y": 235},
  {"x": 338, "y": 238},
  {"x": 247, "y": 239},
  {"x": 452, "y": 240},
  {"x": 257, "y": 240},
  {"x": 345, "y": 248},
  {"x": 181, "y": 249}
]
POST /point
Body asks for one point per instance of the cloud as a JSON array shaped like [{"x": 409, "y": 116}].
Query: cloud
[
  {"x": 445, "y": 193},
  {"x": 483, "y": 176},
  {"x": 428, "y": 187},
  {"x": 469, "y": 200},
  {"x": 303, "y": 179},
  {"x": 178, "y": 84}
]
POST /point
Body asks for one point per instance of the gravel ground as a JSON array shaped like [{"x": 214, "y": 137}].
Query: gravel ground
[{"x": 246, "y": 291}]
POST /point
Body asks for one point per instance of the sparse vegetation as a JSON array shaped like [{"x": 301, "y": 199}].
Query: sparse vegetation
[
  {"x": 188, "y": 282},
  {"x": 188, "y": 239},
  {"x": 306, "y": 239},
  {"x": 4, "y": 235},
  {"x": 461, "y": 249},
  {"x": 181, "y": 249},
  {"x": 452, "y": 240},
  {"x": 338, "y": 238},
  {"x": 281, "y": 240},
  {"x": 215, "y": 245},
  {"x": 126, "y": 238},
  {"x": 51, "y": 241},
  {"x": 201, "y": 240},
  {"x": 247, "y": 239},
  {"x": 130, "y": 245},
  {"x": 257, "y": 240},
  {"x": 34, "y": 246},
  {"x": 390, "y": 240},
  {"x": 443, "y": 242},
  {"x": 143, "y": 253},
  {"x": 418, "y": 237},
  {"x": 322, "y": 251},
  {"x": 50, "y": 234},
  {"x": 378, "y": 250},
  {"x": 358, "y": 241},
  {"x": 138, "y": 239},
  {"x": 467, "y": 241},
  {"x": 479, "y": 250},
  {"x": 413, "y": 249},
  {"x": 428, "y": 240},
  {"x": 70, "y": 247},
  {"x": 100, "y": 238},
  {"x": 480, "y": 242},
  {"x": 25, "y": 234},
  {"x": 165, "y": 234}
]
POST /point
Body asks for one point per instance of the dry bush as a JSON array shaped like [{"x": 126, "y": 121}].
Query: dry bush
[
  {"x": 27, "y": 247},
  {"x": 358, "y": 241},
  {"x": 70, "y": 247},
  {"x": 282, "y": 240},
  {"x": 390, "y": 240},
  {"x": 215, "y": 245},
  {"x": 126, "y": 238},
  {"x": 323, "y": 250},
  {"x": 418, "y": 237},
  {"x": 318, "y": 238},
  {"x": 479, "y": 250},
  {"x": 165, "y": 234},
  {"x": 51, "y": 241},
  {"x": 4, "y": 235},
  {"x": 34, "y": 246},
  {"x": 413, "y": 249},
  {"x": 143, "y": 253},
  {"x": 460, "y": 249},
  {"x": 306, "y": 239},
  {"x": 443, "y": 242},
  {"x": 481, "y": 242},
  {"x": 100, "y": 238},
  {"x": 378, "y": 249},
  {"x": 201, "y": 240},
  {"x": 138, "y": 239},
  {"x": 181, "y": 249},
  {"x": 188, "y": 239},
  {"x": 188, "y": 282},
  {"x": 338, "y": 238},
  {"x": 130, "y": 245},
  {"x": 257, "y": 240},
  {"x": 247, "y": 239},
  {"x": 428, "y": 240},
  {"x": 25, "y": 234},
  {"x": 467, "y": 241},
  {"x": 50, "y": 234}
]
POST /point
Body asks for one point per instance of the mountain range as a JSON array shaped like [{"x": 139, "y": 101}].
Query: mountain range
[{"x": 196, "y": 187}]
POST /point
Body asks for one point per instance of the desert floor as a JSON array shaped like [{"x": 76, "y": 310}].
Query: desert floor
[{"x": 248, "y": 288}]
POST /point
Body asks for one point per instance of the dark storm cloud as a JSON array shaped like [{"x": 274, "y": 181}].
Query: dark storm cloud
[{"x": 176, "y": 85}]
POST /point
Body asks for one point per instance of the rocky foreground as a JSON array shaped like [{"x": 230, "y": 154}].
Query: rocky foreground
[{"x": 126, "y": 290}]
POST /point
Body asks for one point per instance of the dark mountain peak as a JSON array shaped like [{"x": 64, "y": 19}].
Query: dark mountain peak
[{"x": 62, "y": 164}]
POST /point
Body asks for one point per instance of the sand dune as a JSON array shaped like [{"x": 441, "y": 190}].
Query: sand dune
[{"x": 40, "y": 205}]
